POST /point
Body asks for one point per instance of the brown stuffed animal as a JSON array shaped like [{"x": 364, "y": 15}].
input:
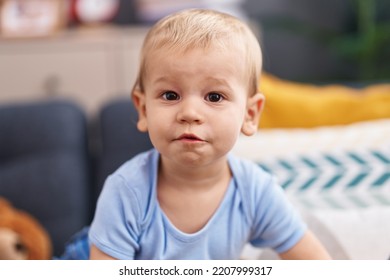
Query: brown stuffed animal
[{"x": 22, "y": 237}]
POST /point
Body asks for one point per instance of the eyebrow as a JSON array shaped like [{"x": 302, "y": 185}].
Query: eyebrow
[
  {"x": 212, "y": 79},
  {"x": 163, "y": 79},
  {"x": 215, "y": 81},
  {"x": 218, "y": 81}
]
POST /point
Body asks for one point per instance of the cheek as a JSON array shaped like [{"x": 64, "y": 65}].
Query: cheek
[
  {"x": 237, "y": 123},
  {"x": 235, "y": 117},
  {"x": 229, "y": 128},
  {"x": 158, "y": 125}
]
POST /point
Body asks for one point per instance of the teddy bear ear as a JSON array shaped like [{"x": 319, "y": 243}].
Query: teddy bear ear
[{"x": 5, "y": 206}]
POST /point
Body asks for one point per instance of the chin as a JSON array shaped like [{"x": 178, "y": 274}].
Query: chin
[
  {"x": 194, "y": 160},
  {"x": 191, "y": 159}
]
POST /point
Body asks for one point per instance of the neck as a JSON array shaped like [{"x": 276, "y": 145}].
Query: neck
[{"x": 194, "y": 178}]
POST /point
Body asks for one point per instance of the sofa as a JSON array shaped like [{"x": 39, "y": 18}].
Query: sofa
[
  {"x": 44, "y": 165},
  {"x": 54, "y": 160}
]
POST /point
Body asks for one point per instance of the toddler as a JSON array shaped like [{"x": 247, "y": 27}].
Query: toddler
[{"x": 189, "y": 197}]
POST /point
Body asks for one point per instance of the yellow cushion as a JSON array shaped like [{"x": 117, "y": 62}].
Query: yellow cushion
[{"x": 292, "y": 104}]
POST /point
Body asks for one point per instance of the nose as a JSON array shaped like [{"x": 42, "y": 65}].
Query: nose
[{"x": 190, "y": 111}]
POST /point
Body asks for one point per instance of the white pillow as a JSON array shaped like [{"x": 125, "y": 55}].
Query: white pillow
[{"x": 268, "y": 143}]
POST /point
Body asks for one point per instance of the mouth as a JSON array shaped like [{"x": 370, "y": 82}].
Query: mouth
[{"x": 189, "y": 138}]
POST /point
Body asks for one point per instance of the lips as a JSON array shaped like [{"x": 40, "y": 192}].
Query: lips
[{"x": 189, "y": 138}]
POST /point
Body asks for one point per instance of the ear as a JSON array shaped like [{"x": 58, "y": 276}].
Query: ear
[
  {"x": 138, "y": 98},
  {"x": 254, "y": 108}
]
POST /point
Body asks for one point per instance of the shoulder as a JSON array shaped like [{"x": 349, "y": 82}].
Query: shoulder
[
  {"x": 132, "y": 183},
  {"x": 139, "y": 163},
  {"x": 274, "y": 222},
  {"x": 248, "y": 174},
  {"x": 254, "y": 184},
  {"x": 125, "y": 207},
  {"x": 137, "y": 172}
]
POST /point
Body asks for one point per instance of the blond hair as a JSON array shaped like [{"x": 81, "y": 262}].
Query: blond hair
[{"x": 199, "y": 28}]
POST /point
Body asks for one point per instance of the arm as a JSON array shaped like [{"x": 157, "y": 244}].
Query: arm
[
  {"x": 96, "y": 254},
  {"x": 308, "y": 248}
]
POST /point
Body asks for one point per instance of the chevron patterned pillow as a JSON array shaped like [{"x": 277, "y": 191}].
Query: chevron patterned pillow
[
  {"x": 330, "y": 172},
  {"x": 341, "y": 179},
  {"x": 328, "y": 167}
]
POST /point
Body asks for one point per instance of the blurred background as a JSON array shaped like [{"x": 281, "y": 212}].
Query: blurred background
[
  {"x": 302, "y": 39},
  {"x": 54, "y": 157},
  {"x": 88, "y": 49}
]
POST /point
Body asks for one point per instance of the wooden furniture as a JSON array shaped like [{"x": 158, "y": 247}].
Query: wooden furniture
[{"x": 89, "y": 65}]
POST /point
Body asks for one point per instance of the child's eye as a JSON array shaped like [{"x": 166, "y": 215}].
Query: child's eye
[
  {"x": 214, "y": 97},
  {"x": 170, "y": 95}
]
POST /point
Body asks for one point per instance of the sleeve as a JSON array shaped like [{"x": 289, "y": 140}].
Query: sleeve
[
  {"x": 115, "y": 228},
  {"x": 276, "y": 223}
]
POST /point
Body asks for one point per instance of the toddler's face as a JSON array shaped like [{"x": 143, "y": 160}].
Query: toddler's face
[{"x": 194, "y": 103}]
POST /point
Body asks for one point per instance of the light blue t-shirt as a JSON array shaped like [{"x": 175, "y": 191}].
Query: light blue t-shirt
[{"x": 129, "y": 223}]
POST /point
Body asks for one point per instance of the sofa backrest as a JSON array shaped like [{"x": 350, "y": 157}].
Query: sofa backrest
[{"x": 44, "y": 165}]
